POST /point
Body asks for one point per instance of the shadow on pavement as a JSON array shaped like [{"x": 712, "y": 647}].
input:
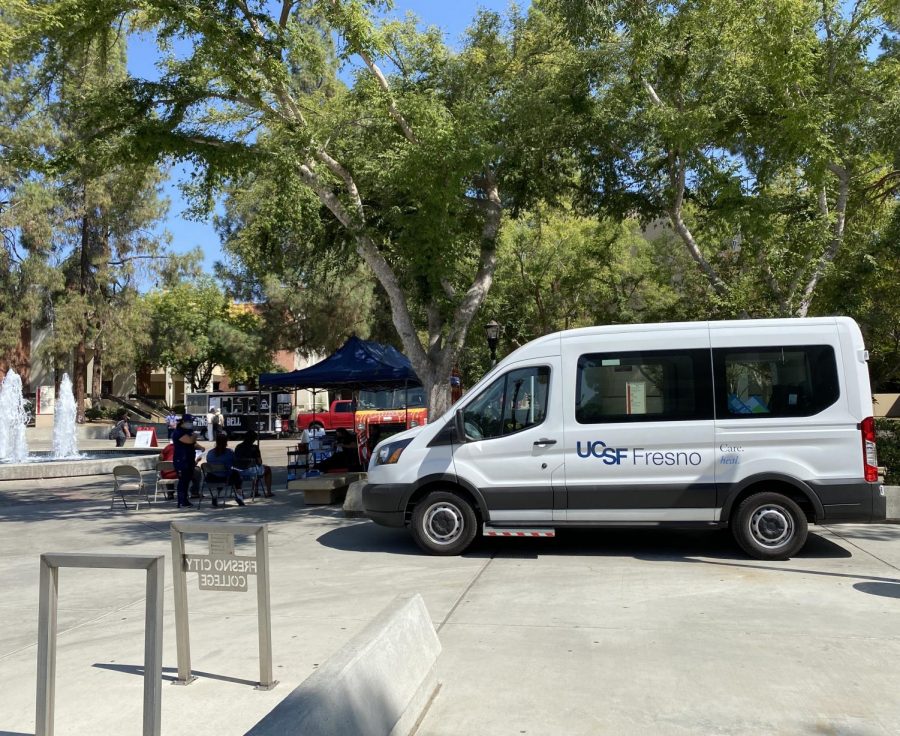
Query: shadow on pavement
[
  {"x": 644, "y": 544},
  {"x": 135, "y": 669},
  {"x": 15, "y": 733},
  {"x": 366, "y": 536},
  {"x": 887, "y": 590}
]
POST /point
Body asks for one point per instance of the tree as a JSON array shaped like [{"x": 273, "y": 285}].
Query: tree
[
  {"x": 558, "y": 270},
  {"x": 284, "y": 254},
  {"x": 429, "y": 146},
  {"x": 80, "y": 230},
  {"x": 195, "y": 327},
  {"x": 757, "y": 130}
]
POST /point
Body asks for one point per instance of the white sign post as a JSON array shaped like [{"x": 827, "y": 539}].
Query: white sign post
[{"x": 223, "y": 570}]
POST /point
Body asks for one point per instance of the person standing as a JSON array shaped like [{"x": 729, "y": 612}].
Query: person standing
[
  {"x": 171, "y": 423},
  {"x": 217, "y": 427},
  {"x": 121, "y": 431},
  {"x": 184, "y": 457}
]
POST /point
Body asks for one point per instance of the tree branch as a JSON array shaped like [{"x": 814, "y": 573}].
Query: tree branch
[
  {"x": 392, "y": 105},
  {"x": 286, "y": 7},
  {"x": 677, "y": 179},
  {"x": 481, "y": 284},
  {"x": 837, "y": 238},
  {"x": 374, "y": 259}
]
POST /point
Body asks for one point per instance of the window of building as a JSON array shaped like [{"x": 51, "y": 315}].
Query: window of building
[
  {"x": 775, "y": 382},
  {"x": 644, "y": 386},
  {"x": 515, "y": 401}
]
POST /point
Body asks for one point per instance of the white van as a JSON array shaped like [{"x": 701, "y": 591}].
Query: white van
[{"x": 760, "y": 425}]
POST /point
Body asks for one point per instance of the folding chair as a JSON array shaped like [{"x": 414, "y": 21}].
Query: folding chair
[
  {"x": 168, "y": 485},
  {"x": 127, "y": 478},
  {"x": 243, "y": 466},
  {"x": 208, "y": 469}
]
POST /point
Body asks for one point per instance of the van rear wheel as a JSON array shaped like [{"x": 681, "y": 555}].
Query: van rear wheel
[
  {"x": 769, "y": 526},
  {"x": 444, "y": 523}
]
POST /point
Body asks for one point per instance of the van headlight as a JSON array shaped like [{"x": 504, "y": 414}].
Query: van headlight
[{"x": 390, "y": 453}]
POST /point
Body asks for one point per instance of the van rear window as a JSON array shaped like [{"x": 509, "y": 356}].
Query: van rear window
[
  {"x": 644, "y": 386},
  {"x": 775, "y": 381}
]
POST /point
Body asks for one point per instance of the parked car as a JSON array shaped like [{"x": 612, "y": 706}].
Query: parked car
[{"x": 339, "y": 415}]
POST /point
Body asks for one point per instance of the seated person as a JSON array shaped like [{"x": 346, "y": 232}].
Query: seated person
[
  {"x": 248, "y": 461},
  {"x": 346, "y": 457},
  {"x": 168, "y": 455},
  {"x": 222, "y": 460}
]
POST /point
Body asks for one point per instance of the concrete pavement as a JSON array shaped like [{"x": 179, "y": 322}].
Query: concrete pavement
[{"x": 612, "y": 632}]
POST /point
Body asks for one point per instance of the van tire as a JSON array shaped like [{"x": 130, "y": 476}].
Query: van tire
[
  {"x": 769, "y": 526},
  {"x": 444, "y": 523}
]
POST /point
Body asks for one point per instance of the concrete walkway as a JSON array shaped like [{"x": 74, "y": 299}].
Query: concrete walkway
[{"x": 591, "y": 633}]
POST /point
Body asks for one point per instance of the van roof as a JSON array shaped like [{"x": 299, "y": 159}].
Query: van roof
[
  {"x": 672, "y": 326},
  {"x": 712, "y": 324}
]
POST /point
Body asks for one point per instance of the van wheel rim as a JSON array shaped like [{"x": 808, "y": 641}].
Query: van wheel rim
[
  {"x": 772, "y": 526},
  {"x": 443, "y": 523}
]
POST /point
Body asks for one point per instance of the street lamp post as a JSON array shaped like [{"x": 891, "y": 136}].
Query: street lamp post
[{"x": 492, "y": 332}]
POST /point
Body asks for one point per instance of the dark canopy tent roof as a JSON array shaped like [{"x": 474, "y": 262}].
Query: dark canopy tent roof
[{"x": 356, "y": 364}]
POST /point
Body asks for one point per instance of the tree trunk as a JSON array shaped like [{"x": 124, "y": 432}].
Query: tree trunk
[
  {"x": 437, "y": 395},
  {"x": 79, "y": 379},
  {"x": 79, "y": 362},
  {"x": 97, "y": 376}
]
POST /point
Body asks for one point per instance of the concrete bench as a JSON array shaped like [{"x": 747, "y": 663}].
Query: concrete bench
[
  {"x": 322, "y": 490},
  {"x": 378, "y": 684}
]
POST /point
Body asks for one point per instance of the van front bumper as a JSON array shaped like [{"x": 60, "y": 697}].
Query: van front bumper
[{"x": 385, "y": 502}]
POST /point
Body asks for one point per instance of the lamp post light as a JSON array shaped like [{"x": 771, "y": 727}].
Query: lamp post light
[{"x": 492, "y": 332}]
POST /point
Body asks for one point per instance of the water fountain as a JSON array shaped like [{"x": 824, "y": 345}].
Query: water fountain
[
  {"x": 64, "y": 461},
  {"x": 65, "y": 443},
  {"x": 13, "y": 418}
]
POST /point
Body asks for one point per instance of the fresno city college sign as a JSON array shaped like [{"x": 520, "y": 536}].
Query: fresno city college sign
[{"x": 221, "y": 569}]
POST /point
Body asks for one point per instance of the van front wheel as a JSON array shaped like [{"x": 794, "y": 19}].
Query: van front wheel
[
  {"x": 769, "y": 526},
  {"x": 444, "y": 524}
]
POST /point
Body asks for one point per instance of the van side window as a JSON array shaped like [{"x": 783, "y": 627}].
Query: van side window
[
  {"x": 646, "y": 386},
  {"x": 796, "y": 381},
  {"x": 516, "y": 401}
]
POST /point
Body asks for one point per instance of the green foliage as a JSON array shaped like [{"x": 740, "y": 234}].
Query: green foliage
[
  {"x": 771, "y": 123},
  {"x": 888, "y": 444},
  {"x": 194, "y": 327},
  {"x": 864, "y": 285}
]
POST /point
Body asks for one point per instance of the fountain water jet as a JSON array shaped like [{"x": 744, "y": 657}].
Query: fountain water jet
[
  {"x": 65, "y": 443},
  {"x": 13, "y": 418}
]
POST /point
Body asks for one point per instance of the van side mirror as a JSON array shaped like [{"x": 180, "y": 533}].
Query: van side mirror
[{"x": 460, "y": 425}]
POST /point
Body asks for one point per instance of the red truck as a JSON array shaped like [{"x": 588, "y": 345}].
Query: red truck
[{"x": 339, "y": 415}]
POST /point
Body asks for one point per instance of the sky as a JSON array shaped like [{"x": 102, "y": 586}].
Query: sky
[{"x": 452, "y": 16}]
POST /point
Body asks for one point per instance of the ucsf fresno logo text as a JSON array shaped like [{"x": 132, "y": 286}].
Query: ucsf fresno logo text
[{"x": 638, "y": 455}]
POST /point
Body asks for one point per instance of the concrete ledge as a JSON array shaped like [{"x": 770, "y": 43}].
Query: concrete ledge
[
  {"x": 892, "y": 494},
  {"x": 139, "y": 458},
  {"x": 378, "y": 684},
  {"x": 322, "y": 490},
  {"x": 353, "y": 503},
  {"x": 319, "y": 483}
]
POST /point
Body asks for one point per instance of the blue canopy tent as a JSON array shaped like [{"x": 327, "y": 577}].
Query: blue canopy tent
[{"x": 356, "y": 364}]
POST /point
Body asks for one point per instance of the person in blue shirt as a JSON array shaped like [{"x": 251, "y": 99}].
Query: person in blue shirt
[
  {"x": 223, "y": 457},
  {"x": 184, "y": 458}
]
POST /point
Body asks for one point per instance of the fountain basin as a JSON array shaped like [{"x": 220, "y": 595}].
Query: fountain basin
[{"x": 94, "y": 462}]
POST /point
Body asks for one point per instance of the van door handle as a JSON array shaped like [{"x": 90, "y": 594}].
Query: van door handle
[{"x": 544, "y": 443}]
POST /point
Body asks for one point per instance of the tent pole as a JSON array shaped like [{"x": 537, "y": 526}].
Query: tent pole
[{"x": 406, "y": 401}]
